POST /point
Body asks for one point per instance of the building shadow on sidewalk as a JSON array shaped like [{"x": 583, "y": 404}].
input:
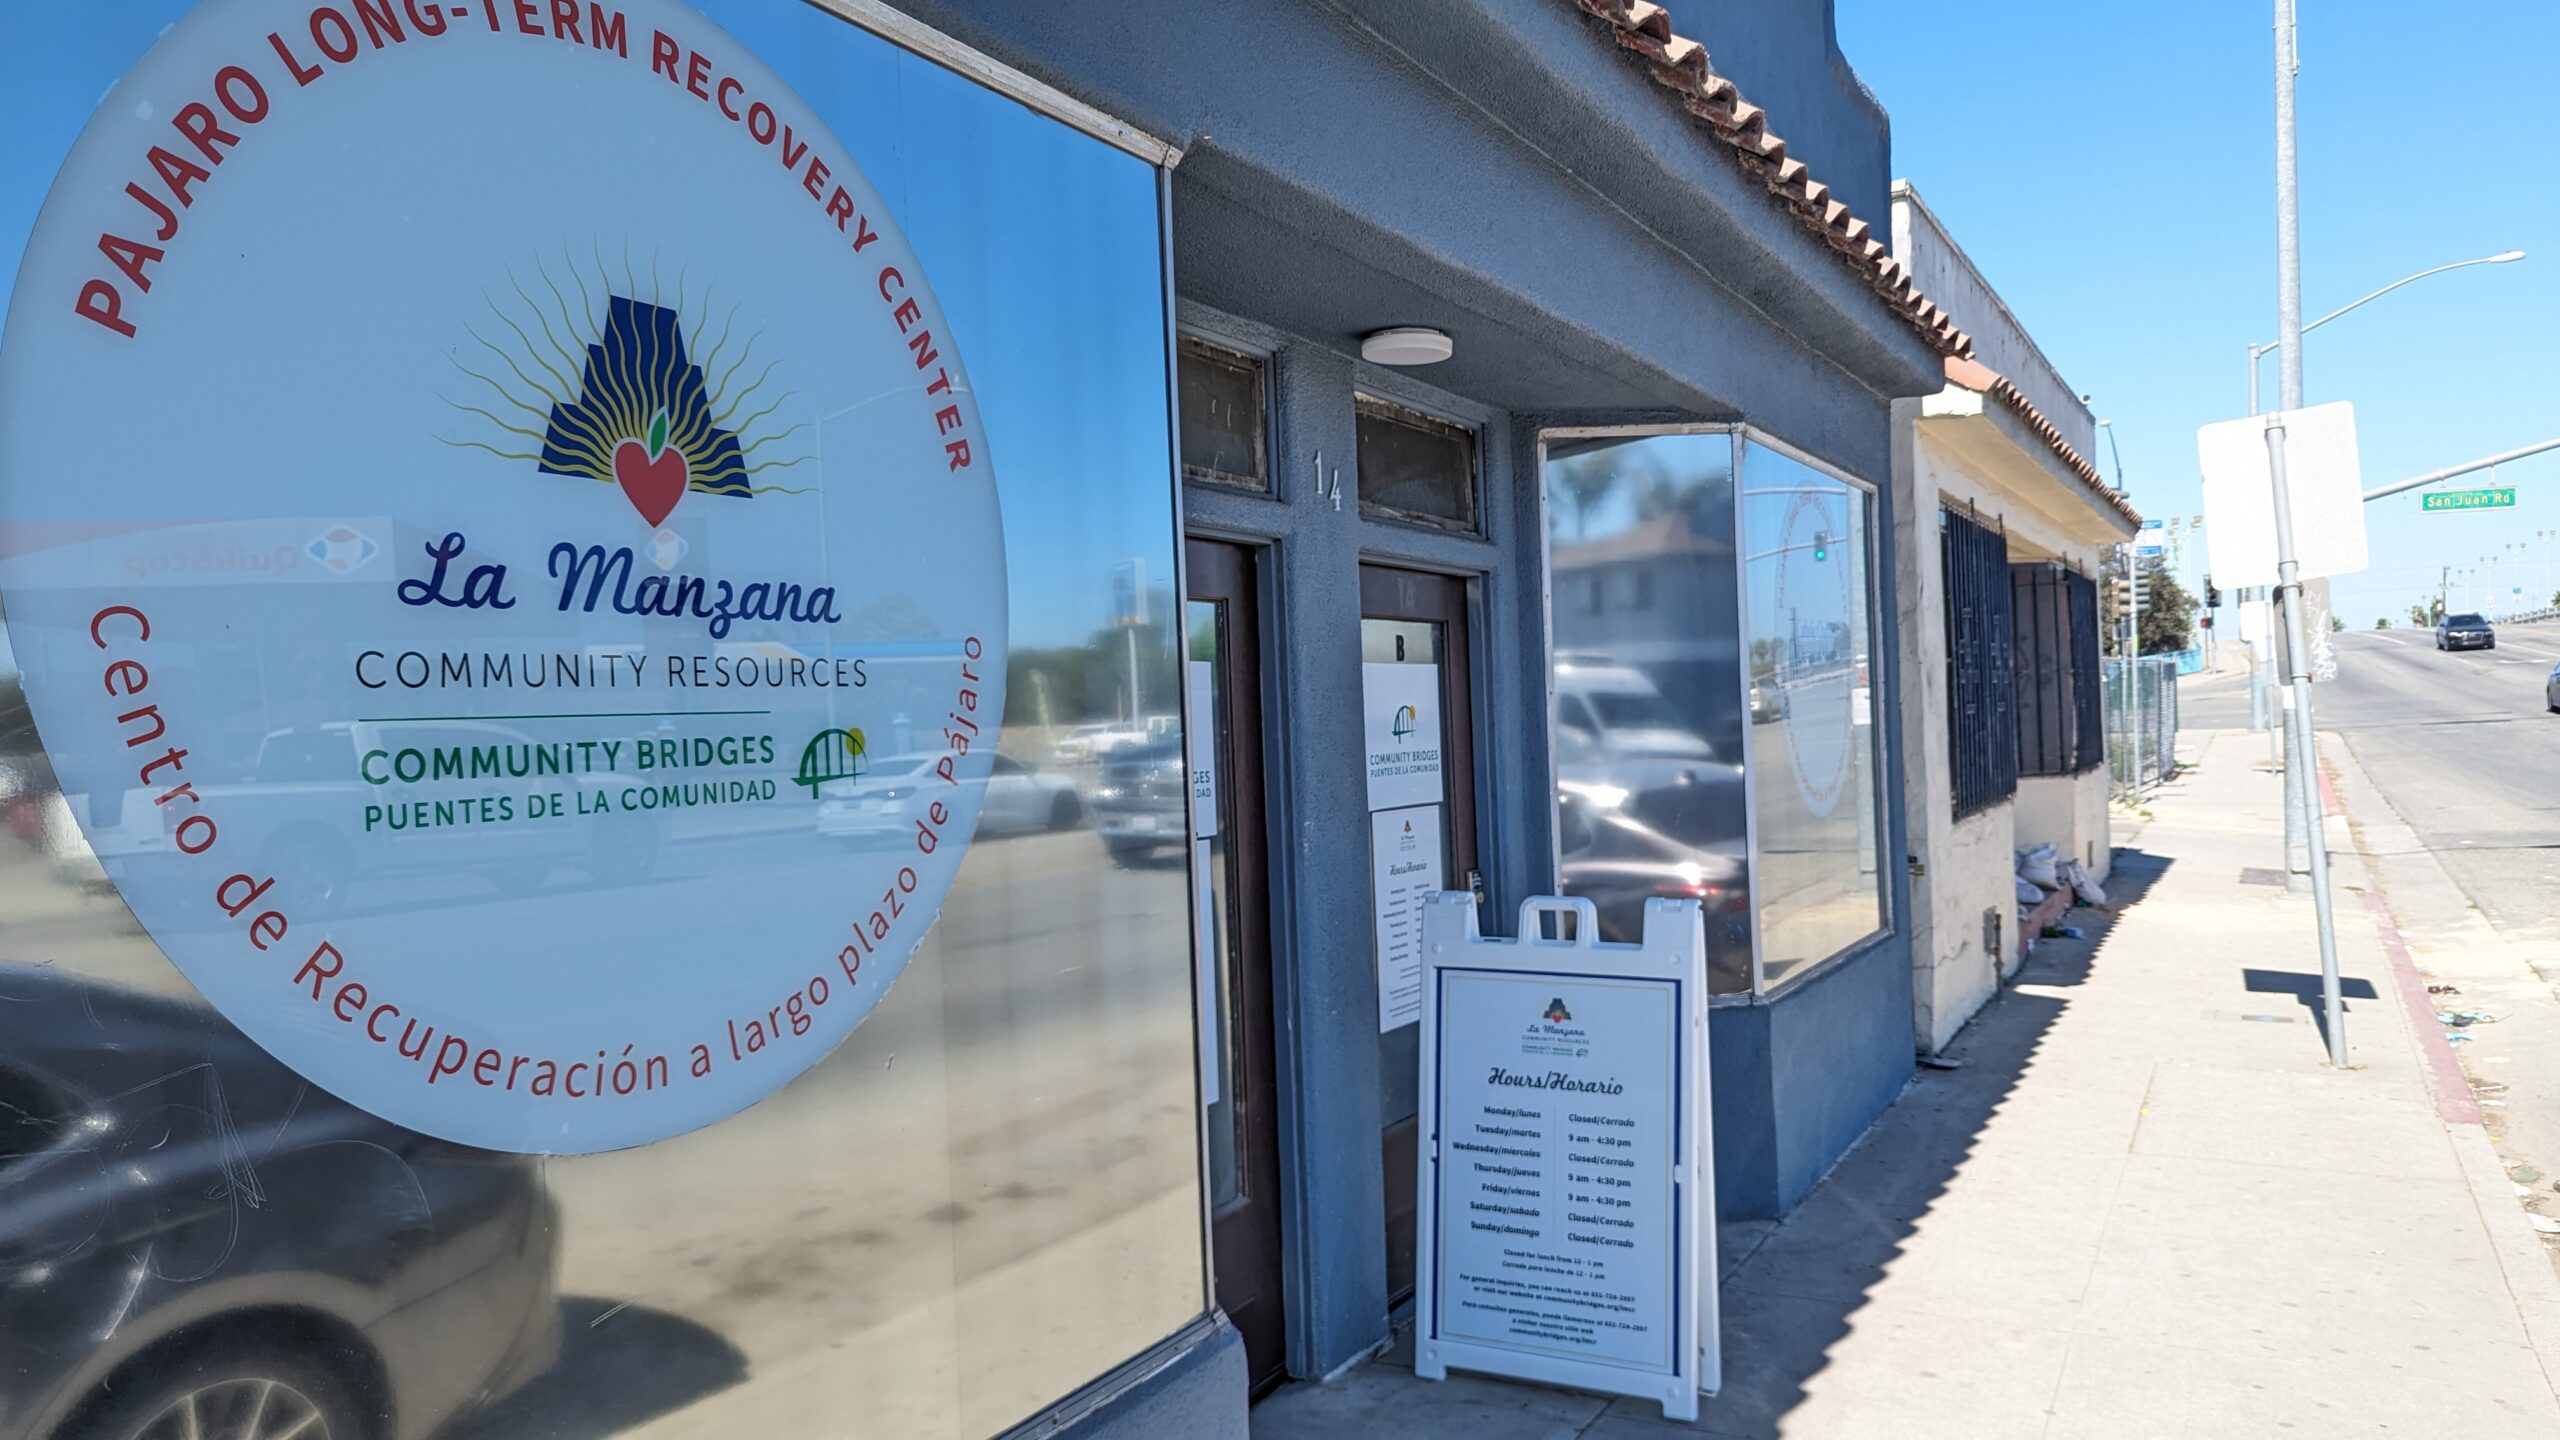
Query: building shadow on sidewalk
[{"x": 1792, "y": 1289}]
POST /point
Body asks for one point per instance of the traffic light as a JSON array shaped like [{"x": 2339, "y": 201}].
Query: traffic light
[
  {"x": 2212, "y": 594},
  {"x": 1821, "y": 544}
]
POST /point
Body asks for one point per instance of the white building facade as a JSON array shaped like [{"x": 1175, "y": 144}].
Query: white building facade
[{"x": 2005, "y": 740}]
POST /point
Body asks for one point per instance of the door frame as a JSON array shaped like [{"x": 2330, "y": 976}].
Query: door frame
[
  {"x": 1261, "y": 1166},
  {"x": 1387, "y": 592}
]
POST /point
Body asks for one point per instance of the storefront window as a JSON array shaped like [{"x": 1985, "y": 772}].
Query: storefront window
[
  {"x": 352, "y": 970},
  {"x": 1808, "y": 602},
  {"x": 1649, "y": 704}
]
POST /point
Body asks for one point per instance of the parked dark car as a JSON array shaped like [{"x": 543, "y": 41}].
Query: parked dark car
[
  {"x": 1138, "y": 804},
  {"x": 2465, "y": 632},
  {"x": 197, "y": 1244}
]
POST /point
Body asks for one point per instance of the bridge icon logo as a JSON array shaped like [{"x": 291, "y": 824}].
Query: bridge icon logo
[{"x": 830, "y": 755}]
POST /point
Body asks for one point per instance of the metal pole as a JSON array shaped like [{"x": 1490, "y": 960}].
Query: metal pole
[
  {"x": 2297, "y": 647},
  {"x": 2432, "y": 476},
  {"x": 2288, "y": 566},
  {"x": 2254, "y": 353},
  {"x": 2297, "y": 799}
]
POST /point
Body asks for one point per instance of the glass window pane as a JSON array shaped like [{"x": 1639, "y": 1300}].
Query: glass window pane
[
  {"x": 1214, "y": 896},
  {"x": 1413, "y": 467},
  {"x": 1222, "y": 425},
  {"x": 1002, "y": 1160},
  {"x": 1407, "y": 642},
  {"x": 1808, "y": 593},
  {"x": 1648, "y": 685}
]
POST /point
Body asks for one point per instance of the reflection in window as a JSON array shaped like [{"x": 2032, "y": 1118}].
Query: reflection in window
[
  {"x": 1413, "y": 467},
  {"x": 1808, "y": 593},
  {"x": 1222, "y": 428},
  {"x": 1648, "y": 737}
]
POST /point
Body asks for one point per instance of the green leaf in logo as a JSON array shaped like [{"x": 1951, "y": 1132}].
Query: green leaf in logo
[{"x": 657, "y": 433}]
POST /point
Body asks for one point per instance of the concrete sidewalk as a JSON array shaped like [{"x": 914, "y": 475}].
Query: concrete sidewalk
[{"x": 2145, "y": 1206}]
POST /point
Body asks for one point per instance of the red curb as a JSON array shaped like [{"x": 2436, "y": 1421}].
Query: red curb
[{"x": 2455, "y": 1104}]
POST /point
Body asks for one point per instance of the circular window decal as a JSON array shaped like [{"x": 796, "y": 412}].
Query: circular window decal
[{"x": 502, "y": 554}]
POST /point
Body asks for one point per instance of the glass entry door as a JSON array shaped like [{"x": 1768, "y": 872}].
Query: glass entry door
[
  {"x": 1232, "y": 912},
  {"x": 1422, "y": 834}
]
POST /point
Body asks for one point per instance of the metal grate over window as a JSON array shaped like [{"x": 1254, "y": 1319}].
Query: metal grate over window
[
  {"x": 2061, "y": 695},
  {"x": 2088, "y": 692},
  {"x": 1982, "y": 708}
]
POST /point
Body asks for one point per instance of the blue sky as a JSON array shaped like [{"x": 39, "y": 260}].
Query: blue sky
[{"x": 2110, "y": 166}]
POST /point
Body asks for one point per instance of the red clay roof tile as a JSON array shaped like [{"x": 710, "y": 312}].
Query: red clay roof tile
[
  {"x": 1682, "y": 65},
  {"x": 1981, "y": 379}
]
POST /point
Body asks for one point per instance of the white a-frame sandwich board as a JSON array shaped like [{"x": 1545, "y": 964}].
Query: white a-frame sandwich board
[{"x": 1567, "y": 1222}]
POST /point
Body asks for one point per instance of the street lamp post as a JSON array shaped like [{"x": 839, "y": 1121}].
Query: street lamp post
[{"x": 2258, "y": 352}]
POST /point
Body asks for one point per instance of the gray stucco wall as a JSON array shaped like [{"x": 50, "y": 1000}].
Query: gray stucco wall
[
  {"x": 1500, "y": 170},
  {"x": 1785, "y": 56},
  {"x": 1496, "y": 168}
]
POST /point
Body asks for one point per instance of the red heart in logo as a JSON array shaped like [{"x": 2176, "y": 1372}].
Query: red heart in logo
[{"x": 653, "y": 486}]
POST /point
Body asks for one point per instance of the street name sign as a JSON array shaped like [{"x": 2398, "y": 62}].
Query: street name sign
[
  {"x": 1567, "y": 1228},
  {"x": 2501, "y": 497},
  {"x": 2322, "y": 474}
]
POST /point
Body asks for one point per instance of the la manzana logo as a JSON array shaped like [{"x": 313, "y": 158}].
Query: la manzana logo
[
  {"x": 630, "y": 396},
  {"x": 658, "y": 400}
]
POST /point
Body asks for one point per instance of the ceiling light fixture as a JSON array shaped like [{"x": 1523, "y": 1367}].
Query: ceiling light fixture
[{"x": 1406, "y": 345}]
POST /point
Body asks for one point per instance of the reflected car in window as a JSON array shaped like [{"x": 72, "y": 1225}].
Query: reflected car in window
[
  {"x": 1616, "y": 710},
  {"x": 1613, "y": 857},
  {"x": 1138, "y": 805},
  {"x": 195, "y": 1242},
  {"x": 888, "y": 799},
  {"x": 313, "y": 790}
]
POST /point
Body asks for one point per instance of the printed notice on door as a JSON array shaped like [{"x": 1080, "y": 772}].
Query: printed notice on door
[
  {"x": 1404, "y": 870},
  {"x": 1559, "y": 1146}
]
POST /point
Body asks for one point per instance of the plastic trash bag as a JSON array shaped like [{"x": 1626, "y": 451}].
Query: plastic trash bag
[
  {"x": 2082, "y": 883},
  {"x": 2038, "y": 867}
]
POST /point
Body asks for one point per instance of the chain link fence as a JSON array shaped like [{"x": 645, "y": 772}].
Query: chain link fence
[{"x": 2142, "y": 704}]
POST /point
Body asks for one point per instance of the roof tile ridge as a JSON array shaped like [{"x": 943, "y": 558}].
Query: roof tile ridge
[{"x": 1683, "y": 66}]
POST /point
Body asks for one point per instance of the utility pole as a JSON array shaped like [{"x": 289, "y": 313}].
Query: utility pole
[{"x": 2288, "y": 568}]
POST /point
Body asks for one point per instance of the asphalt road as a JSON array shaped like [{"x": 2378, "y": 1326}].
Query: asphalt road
[{"x": 2460, "y": 744}]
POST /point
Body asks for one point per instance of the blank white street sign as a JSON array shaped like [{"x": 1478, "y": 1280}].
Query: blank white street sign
[{"x": 2322, "y": 473}]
